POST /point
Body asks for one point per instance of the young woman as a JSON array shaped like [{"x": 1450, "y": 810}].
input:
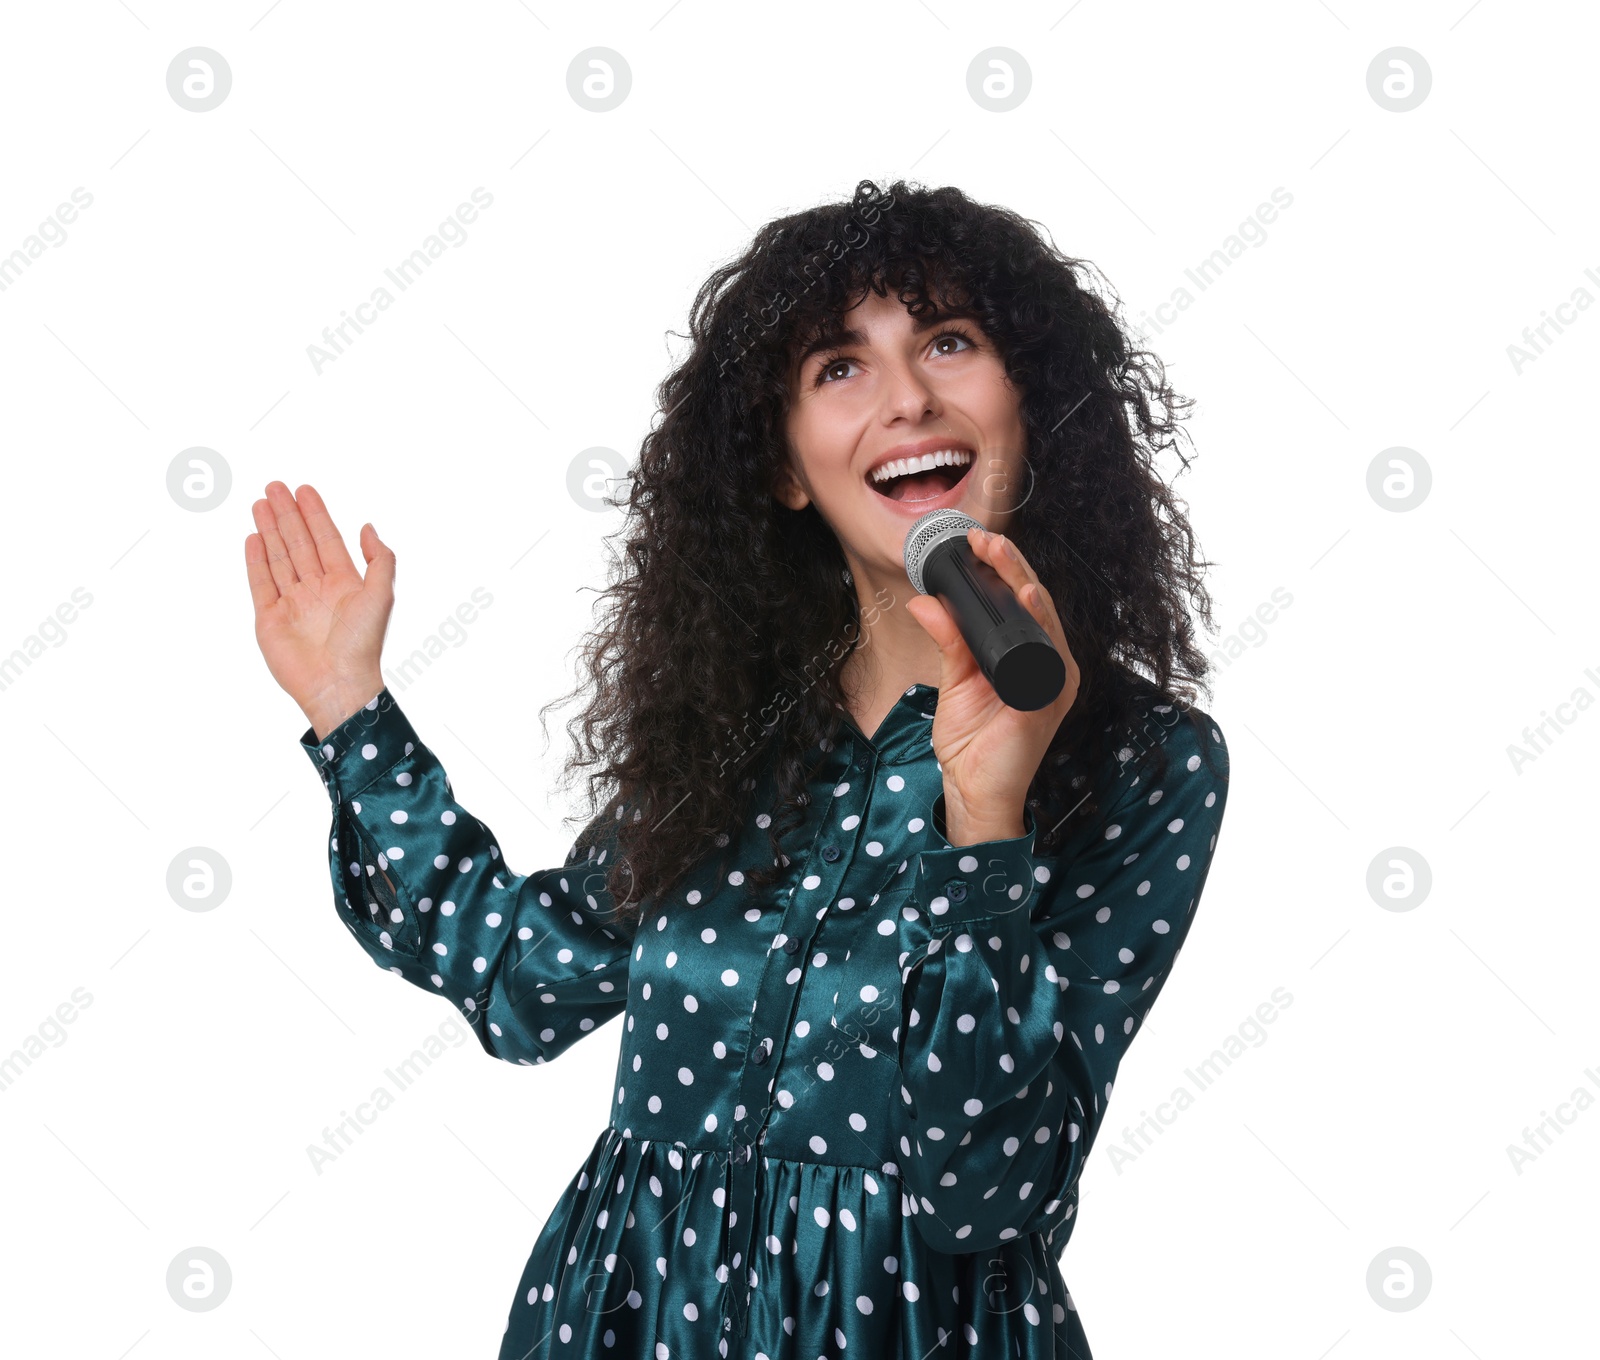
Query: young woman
[{"x": 881, "y": 941}]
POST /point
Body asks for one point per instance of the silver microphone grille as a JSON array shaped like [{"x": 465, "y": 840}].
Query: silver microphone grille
[{"x": 927, "y": 532}]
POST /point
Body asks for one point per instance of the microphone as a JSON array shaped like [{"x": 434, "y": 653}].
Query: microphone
[{"x": 1015, "y": 654}]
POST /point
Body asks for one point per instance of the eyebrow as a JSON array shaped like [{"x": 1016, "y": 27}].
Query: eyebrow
[{"x": 834, "y": 336}]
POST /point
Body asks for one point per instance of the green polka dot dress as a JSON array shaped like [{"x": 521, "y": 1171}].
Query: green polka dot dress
[{"x": 850, "y": 1113}]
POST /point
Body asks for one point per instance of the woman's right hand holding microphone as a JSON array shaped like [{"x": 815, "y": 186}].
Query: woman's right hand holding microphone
[{"x": 319, "y": 622}]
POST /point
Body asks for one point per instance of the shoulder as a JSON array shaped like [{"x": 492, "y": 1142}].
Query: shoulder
[{"x": 1175, "y": 746}]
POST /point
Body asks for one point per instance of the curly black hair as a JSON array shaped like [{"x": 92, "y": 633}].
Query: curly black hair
[{"x": 727, "y": 604}]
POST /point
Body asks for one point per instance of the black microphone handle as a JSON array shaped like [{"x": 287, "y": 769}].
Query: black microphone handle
[{"x": 1015, "y": 654}]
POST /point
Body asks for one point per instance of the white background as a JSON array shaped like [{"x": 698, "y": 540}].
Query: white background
[{"x": 1375, "y": 711}]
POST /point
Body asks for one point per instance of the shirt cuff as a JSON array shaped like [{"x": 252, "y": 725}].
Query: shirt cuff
[
  {"x": 366, "y": 744},
  {"x": 959, "y": 884}
]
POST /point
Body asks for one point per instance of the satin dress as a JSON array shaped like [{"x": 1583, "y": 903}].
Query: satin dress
[{"x": 850, "y": 1112}]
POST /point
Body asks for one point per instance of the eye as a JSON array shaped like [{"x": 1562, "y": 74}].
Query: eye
[
  {"x": 828, "y": 365},
  {"x": 953, "y": 334},
  {"x": 832, "y": 360}
]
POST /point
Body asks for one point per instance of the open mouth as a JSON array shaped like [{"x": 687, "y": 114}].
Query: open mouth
[{"x": 923, "y": 478}]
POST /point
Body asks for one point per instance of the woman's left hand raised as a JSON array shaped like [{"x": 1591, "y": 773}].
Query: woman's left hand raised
[{"x": 989, "y": 752}]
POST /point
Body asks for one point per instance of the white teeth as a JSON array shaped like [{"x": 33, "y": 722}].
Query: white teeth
[{"x": 901, "y": 466}]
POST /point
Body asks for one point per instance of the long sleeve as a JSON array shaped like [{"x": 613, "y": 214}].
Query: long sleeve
[
  {"x": 533, "y": 962},
  {"x": 1028, "y": 978}
]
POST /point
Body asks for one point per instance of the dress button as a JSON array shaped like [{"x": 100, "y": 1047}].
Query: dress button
[
  {"x": 791, "y": 945},
  {"x": 760, "y": 1054},
  {"x": 742, "y": 1153},
  {"x": 830, "y": 853},
  {"x": 956, "y": 890}
]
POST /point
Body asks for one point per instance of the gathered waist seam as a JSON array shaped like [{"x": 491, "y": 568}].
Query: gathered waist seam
[{"x": 724, "y": 1153}]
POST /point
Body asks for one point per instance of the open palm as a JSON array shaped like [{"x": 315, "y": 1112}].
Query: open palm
[{"x": 319, "y": 622}]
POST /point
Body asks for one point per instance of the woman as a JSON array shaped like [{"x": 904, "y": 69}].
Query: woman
[{"x": 880, "y": 941}]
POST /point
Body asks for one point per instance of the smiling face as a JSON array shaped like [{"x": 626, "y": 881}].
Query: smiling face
[{"x": 899, "y": 393}]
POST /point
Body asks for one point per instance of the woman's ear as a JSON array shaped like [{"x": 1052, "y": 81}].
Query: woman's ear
[{"x": 786, "y": 489}]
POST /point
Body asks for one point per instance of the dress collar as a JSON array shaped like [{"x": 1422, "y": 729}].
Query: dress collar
[{"x": 906, "y": 732}]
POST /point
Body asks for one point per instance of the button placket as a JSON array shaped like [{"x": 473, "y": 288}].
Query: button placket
[{"x": 776, "y": 999}]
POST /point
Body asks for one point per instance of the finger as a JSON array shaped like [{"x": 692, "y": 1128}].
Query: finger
[
  {"x": 277, "y": 554},
  {"x": 1023, "y": 579},
  {"x": 292, "y": 528},
  {"x": 934, "y": 618},
  {"x": 1014, "y": 571},
  {"x": 1037, "y": 599},
  {"x": 999, "y": 545},
  {"x": 380, "y": 560},
  {"x": 325, "y": 535},
  {"x": 264, "y": 592},
  {"x": 954, "y": 654}
]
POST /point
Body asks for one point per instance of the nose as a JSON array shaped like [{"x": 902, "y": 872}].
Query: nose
[{"x": 907, "y": 393}]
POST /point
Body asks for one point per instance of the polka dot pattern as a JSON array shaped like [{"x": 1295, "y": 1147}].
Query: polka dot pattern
[{"x": 842, "y": 1105}]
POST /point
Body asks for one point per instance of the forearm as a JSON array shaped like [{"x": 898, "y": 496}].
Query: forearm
[
  {"x": 989, "y": 1113},
  {"x": 533, "y": 961}
]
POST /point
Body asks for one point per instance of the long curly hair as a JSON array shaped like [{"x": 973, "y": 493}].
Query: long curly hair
[{"x": 729, "y": 612}]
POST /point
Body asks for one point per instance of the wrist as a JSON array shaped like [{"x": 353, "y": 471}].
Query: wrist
[
  {"x": 961, "y": 827},
  {"x": 332, "y": 706},
  {"x": 973, "y": 833}
]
